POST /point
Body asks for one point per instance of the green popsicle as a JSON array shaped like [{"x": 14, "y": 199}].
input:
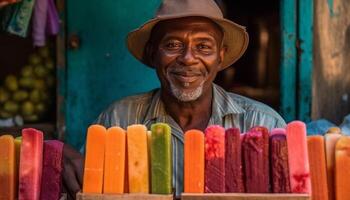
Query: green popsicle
[{"x": 161, "y": 156}]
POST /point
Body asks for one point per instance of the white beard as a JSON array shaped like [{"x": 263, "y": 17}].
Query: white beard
[{"x": 186, "y": 96}]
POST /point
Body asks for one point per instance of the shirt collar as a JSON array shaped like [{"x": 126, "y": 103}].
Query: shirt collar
[{"x": 223, "y": 105}]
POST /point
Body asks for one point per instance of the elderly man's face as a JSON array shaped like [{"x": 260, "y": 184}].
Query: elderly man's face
[{"x": 187, "y": 55}]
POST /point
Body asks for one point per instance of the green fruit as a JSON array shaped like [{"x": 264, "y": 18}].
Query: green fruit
[
  {"x": 11, "y": 83},
  {"x": 40, "y": 108},
  {"x": 27, "y": 71},
  {"x": 27, "y": 108},
  {"x": 44, "y": 52},
  {"x": 4, "y": 95},
  {"x": 35, "y": 59},
  {"x": 26, "y": 82},
  {"x": 5, "y": 115},
  {"x": 20, "y": 95},
  {"x": 31, "y": 118},
  {"x": 11, "y": 107},
  {"x": 35, "y": 96},
  {"x": 40, "y": 71}
]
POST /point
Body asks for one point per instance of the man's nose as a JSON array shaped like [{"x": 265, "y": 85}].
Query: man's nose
[{"x": 187, "y": 57}]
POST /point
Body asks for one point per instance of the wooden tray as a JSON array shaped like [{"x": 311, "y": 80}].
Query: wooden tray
[
  {"x": 81, "y": 196},
  {"x": 244, "y": 196}
]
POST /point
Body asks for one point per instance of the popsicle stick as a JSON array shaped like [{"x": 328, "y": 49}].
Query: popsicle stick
[
  {"x": 30, "y": 169},
  {"x": 279, "y": 161},
  {"x": 342, "y": 166},
  {"x": 194, "y": 161},
  {"x": 94, "y": 159},
  {"x": 233, "y": 161},
  {"x": 7, "y": 168},
  {"x": 52, "y": 168},
  {"x": 214, "y": 159},
  {"x": 255, "y": 157},
  {"x": 138, "y": 169},
  {"x": 318, "y": 173},
  {"x": 299, "y": 168},
  {"x": 114, "y": 168},
  {"x": 161, "y": 156},
  {"x": 330, "y": 142}
]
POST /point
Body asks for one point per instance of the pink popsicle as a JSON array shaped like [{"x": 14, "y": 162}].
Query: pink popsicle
[
  {"x": 30, "y": 169},
  {"x": 279, "y": 161},
  {"x": 233, "y": 159},
  {"x": 214, "y": 159},
  {"x": 299, "y": 169},
  {"x": 256, "y": 161},
  {"x": 52, "y": 167}
]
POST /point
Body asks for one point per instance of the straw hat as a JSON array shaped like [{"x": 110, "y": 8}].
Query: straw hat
[{"x": 235, "y": 36}]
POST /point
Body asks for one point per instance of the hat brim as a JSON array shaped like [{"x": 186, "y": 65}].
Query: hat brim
[{"x": 235, "y": 38}]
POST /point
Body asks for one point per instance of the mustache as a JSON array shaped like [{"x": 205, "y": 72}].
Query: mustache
[{"x": 185, "y": 71}]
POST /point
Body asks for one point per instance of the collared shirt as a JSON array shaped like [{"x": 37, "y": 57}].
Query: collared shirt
[{"x": 228, "y": 110}]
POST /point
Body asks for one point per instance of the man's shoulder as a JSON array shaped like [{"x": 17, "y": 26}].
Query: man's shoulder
[{"x": 252, "y": 107}]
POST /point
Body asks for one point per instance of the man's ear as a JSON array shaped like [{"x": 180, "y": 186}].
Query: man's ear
[{"x": 222, "y": 54}]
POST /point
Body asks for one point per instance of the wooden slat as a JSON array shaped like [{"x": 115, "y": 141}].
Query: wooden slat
[
  {"x": 241, "y": 196},
  {"x": 305, "y": 23},
  {"x": 81, "y": 196},
  {"x": 288, "y": 60}
]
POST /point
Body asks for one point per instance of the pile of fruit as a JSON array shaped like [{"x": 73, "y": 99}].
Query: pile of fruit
[{"x": 28, "y": 93}]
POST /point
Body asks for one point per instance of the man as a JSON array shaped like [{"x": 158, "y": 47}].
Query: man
[{"x": 188, "y": 43}]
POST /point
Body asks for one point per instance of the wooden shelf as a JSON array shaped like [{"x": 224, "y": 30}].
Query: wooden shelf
[
  {"x": 244, "y": 196},
  {"x": 81, "y": 196},
  {"x": 47, "y": 128}
]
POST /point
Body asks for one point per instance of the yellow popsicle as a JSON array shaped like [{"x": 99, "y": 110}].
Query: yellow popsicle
[{"x": 138, "y": 167}]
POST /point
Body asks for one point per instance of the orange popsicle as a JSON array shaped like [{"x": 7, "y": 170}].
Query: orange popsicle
[
  {"x": 94, "y": 159},
  {"x": 342, "y": 166},
  {"x": 114, "y": 161},
  {"x": 317, "y": 159},
  {"x": 138, "y": 168},
  {"x": 299, "y": 168},
  {"x": 194, "y": 162},
  {"x": 7, "y": 168},
  {"x": 330, "y": 142}
]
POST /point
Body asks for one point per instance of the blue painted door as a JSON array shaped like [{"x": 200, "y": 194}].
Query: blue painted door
[{"x": 101, "y": 70}]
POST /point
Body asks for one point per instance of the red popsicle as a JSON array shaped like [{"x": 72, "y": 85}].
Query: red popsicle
[
  {"x": 214, "y": 159},
  {"x": 256, "y": 160},
  {"x": 233, "y": 159},
  {"x": 279, "y": 161},
  {"x": 52, "y": 168},
  {"x": 30, "y": 165},
  {"x": 299, "y": 169}
]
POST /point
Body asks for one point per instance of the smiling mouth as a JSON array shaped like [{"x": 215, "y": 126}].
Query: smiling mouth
[{"x": 186, "y": 78}]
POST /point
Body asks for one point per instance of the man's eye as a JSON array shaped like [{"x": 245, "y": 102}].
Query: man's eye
[
  {"x": 173, "y": 45},
  {"x": 203, "y": 47}
]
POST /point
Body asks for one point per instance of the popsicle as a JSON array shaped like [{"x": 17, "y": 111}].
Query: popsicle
[
  {"x": 114, "y": 171},
  {"x": 255, "y": 157},
  {"x": 7, "y": 168},
  {"x": 318, "y": 173},
  {"x": 299, "y": 169},
  {"x": 214, "y": 159},
  {"x": 279, "y": 161},
  {"x": 342, "y": 166},
  {"x": 330, "y": 142},
  {"x": 233, "y": 161},
  {"x": 138, "y": 168},
  {"x": 94, "y": 159},
  {"x": 194, "y": 161},
  {"x": 52, "y": 168},
  {"x": 30, "y": 165},
  {"x": 161, "y": 159}
]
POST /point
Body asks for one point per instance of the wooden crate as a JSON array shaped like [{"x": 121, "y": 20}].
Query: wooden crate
[
  {"x": 81, "y": 196},
  {"x": 244, "y": 196}
]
